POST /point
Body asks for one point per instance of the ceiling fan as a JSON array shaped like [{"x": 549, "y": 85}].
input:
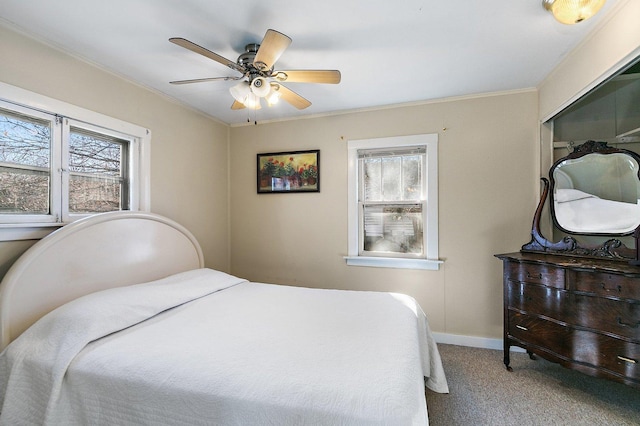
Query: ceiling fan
[{"x": 259, "y": 79}]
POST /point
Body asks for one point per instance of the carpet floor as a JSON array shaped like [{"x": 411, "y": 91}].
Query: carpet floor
[{"x": 537, "y": 392}]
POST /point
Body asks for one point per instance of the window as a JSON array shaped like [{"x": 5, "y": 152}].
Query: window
[
  {"x": 59, "y": 165},
  {"x": 25, "y": 163},
  {"x": 393, "y": 209},
  {"x": 97, "y": 171}
]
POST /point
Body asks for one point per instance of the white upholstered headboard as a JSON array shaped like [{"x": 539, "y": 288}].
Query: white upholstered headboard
[{"x": 96, "y": 253}]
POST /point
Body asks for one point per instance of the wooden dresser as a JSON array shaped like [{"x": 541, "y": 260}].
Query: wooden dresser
[{"x": 583, "y": 313}]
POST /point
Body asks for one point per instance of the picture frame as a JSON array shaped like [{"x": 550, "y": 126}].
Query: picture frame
[{"x": 289, "y": 171}]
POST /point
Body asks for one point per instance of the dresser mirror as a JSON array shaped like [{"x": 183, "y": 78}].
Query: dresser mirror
[
  {"x": 594, "y": 197},
  {"x": 596, "y": 190}
]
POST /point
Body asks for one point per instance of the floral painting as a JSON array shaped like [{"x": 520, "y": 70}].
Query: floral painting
[{"x": 296, "y": 171}]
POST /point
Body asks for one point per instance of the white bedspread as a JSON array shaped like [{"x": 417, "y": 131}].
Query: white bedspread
[
  {"x": 237, "y": 353},
  {"x": 579, "y": 211}
]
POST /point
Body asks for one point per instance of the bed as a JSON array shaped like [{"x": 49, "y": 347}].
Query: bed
[
  {"x": 115, "y": 320},
  {"x": 578, "y": 211}
]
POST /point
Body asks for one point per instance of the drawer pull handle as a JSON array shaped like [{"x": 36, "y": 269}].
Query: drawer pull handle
[
  {"x": 538, "y": 276},
  {"x": 629, "y": 360},
  {"x": 522, "y": 328},
  {"x": 626, "y": 324},
  {"x": 617, "y": 288}
]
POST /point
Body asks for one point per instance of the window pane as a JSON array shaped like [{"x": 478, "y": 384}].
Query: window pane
[
  {"x": 22, "y": 192},
  {"x": 372, "y": 179},
  {"x": 392, "y": 178},
  {"x": 393, "y": 228},
  {"x": 91, "y": 153},
  {"x": 412, "y": 177},
  {"x": 96, "y": 180},
  {"x": 24, "y": 164},
  {"x": 93, "y": 195}
]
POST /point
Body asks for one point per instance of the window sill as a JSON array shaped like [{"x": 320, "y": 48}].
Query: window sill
[
  {"x": 390, "y": 262},
  {"x": 22, "y": 231}
]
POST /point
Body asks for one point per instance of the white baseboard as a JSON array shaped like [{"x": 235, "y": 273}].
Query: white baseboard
[{"x": 472, "y": 341}]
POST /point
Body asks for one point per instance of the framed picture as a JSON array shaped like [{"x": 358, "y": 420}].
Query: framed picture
[{"x": 295, "y": 171}]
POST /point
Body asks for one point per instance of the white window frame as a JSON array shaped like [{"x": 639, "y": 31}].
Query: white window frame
[
  {"x": 34, "y": 104},
  {"x": 430, "y": 260}
]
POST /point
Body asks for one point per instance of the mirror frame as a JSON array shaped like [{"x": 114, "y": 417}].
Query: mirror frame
[
  {"x": 611, "y": 248},
  {"x": 580, "y": 151}
]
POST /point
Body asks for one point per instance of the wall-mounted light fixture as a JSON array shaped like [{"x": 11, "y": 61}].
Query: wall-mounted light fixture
[{"x": 573, "y": 11}]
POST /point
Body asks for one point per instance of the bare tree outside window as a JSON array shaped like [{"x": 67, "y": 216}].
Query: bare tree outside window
[
  {"x": 96, "y": 170},
  {"x": 60, "y": 163},
  {"x": 96, "y": 174},
  {"x": 25, "y": 152}
]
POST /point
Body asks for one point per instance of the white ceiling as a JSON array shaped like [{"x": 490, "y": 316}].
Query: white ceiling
[{"x": 389, "y": 52}]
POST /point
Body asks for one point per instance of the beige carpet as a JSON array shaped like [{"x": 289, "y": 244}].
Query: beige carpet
[{"x": 483, "y": 392}]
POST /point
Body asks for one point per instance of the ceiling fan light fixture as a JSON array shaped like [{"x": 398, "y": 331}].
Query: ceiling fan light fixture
[
  {"x": 240, "y": 91},
  {"x": 573, "y": 11},
  {"x": 260, "y": 87},
  {"x": 274, "y": 95},
  {"x": 252, "y": 101}
]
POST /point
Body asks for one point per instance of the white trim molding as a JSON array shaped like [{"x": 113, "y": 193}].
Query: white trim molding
[{"x": 472, "y": 341}]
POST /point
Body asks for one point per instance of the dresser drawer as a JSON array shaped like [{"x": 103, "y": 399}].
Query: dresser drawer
[
  {"x": 617, "y": 317},
  {"x": 619, "y": 356},
  {"x": 535, "y": 273},
  {"x": 536, "y": 299},
  {"x": 540, "y": 332},
  {"x": 605, "y": 284},
  {"x": 598, "y": 350}
]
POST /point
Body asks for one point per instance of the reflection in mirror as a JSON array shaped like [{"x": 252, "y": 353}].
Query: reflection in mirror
[
  {"x": 594, "y": 193},
  {"x": 597, "y": 193}
]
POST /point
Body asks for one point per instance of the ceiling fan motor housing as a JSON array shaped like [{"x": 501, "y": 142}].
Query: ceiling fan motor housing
[{"x": 246, "y": 59}]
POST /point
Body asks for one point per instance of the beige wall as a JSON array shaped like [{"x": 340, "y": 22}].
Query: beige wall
[
  {"x": 188, "y": 150},
  {"x": 488, "y": 159},
  {"x": 489, "y": 163}
]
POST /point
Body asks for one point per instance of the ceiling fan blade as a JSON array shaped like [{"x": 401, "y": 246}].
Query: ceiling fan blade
[
  {"x": 272, "y": 46},
  {"x": 237, "y": 105},
  {"x": 293, "y": 98},
  {"x": 202, "y": 80},
  {"x": 182, "y": 42},
  {"x": 308, "y": 76}
]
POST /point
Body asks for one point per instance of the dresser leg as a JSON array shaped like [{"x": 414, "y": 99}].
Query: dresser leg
[
  {"x": 507, "y": 359},
  {"x": 531, "y": 355}
]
